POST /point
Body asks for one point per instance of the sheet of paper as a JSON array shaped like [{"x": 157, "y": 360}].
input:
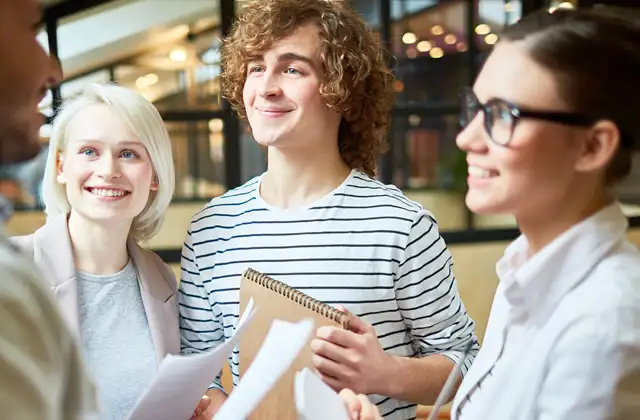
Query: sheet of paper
[
  {"x": 315, "y": 400},
  {"x": 280, "y": 348},
  {"x": 182, "y": 380}
]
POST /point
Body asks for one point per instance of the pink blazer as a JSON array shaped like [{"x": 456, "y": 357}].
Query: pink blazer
[{"x": 51, "y": 249}]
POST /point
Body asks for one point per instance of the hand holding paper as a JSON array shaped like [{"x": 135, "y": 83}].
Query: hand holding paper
[
  {"x": 279, "y": 349},
  {"x": 182, "y": 380}
]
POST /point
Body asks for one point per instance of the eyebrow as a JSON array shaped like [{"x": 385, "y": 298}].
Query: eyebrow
[
  {"x": 290, "y": 56},
  {"x": 126, "y": 143}
]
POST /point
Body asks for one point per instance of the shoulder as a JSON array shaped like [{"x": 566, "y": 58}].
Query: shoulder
[
  {"x": 363, "y": 188},
  {"x": 607, "y": 302},
  {"x": 234, "y": 201},
  {"x": 389, "y": 199},
  {"x": 24, "y": 243},
  {"x": 152, "y": 259}
]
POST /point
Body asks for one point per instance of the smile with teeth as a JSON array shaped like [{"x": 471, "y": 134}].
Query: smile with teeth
[
  {"x": 478, "y": 172},
  {"x": 107, "y": 192}
]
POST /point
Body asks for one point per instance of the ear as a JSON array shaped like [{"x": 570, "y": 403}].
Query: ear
[
  {"x": 154, "y": 183},
  {"x": 601, "y": 145},
  {"x": 60, "y": 177}
]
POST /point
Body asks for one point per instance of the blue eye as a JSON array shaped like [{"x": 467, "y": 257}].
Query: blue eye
[
  {"x": 128, "y": 154},
  {"x": 291, "y": 70},
  {"x": 88, "y": 152}
]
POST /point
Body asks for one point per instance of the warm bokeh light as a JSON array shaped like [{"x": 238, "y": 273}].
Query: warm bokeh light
[
  {"x": 409, "y": 38},
  {"x": 424, "y": 46},
  {"x": 491, "y": 39},
  {"x": 436, "y": 52},
  {"x": 483, "y": 29}
]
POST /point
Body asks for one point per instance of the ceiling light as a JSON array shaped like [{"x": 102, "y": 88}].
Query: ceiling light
[
  {"x": 437, "y": 30},
  {"x": 450, "y": 39},
  {"x": 483, "y": 29},
  {"x": 409, "y": 38},
  {"x": 144, "y": 82},
  {"x": 178, "y": 54}
]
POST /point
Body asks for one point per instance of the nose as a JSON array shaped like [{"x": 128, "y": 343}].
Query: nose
[
  {"x": 108, "y": 167},
  {"x": 54, "y": 76},
  {"x": 270, "y": 85},
  {"x": 472, "y": 138}
]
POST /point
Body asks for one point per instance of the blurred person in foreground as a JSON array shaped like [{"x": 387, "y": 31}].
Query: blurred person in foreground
[
  {"x": 42, "y": 374},
  {"x": 549, "y": 129}
]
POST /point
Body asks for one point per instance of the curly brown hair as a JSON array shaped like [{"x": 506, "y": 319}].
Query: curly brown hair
[{"x": 356, "y": 81}]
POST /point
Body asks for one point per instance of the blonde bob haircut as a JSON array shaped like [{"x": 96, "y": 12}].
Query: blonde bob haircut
[{"x": 145, "y": 122}]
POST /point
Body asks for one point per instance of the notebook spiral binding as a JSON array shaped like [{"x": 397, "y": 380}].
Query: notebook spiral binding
[{"x": 297, "y": 296}]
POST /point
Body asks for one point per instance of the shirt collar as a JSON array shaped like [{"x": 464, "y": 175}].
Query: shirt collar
[{"x": 537, "y": 284}]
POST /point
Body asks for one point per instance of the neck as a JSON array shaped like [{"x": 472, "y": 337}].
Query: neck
[
  {"x": 297, "y": 179},
  {"x": 542, "y": 228},
  {"x": 98, "y": 249}
]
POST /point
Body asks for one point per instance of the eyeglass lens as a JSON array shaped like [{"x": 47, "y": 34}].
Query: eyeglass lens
[{"x": 499, "y": 118}]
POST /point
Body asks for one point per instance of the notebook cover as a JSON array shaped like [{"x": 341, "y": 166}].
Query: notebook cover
[{"x": 279, "y": 403}]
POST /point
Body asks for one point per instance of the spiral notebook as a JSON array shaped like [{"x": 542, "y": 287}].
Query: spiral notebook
[{"x": 274, "y": 299}]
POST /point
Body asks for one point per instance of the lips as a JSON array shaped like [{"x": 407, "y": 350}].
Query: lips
[{"x": 273, "y": 111}]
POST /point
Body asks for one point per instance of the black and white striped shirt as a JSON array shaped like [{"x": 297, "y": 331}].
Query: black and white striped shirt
[{"x": 364, "y": 246}]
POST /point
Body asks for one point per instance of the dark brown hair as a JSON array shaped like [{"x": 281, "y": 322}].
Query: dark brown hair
[
  {"x": 356, "y": 81},
  {"x": 595, "y": 56}
]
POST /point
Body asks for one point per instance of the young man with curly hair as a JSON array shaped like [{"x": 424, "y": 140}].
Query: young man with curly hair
[{"x": 310, "y": 77}]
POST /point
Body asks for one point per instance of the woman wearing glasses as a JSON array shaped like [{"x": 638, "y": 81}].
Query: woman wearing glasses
[{"x": 550, "y": 127}]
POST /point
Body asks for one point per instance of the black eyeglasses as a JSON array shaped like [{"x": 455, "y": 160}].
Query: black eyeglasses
[{"x": 501, "y": 117}]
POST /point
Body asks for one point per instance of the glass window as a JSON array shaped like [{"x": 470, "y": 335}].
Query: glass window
[
  {"x": 425, "y": 154},
  {"x": 183, "y": 75},
  {"x": 253, "y": 157},
  {"x": 198, "y": 156},
  {"x": 492, "y": 17},
  {"x": 429, "y": 43}
]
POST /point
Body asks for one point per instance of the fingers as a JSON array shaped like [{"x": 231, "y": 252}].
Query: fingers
[
  {"x": 352, "y": 402},
  {"x": 326, "y": 366},
  {"x": 359, "y": 325},
  {"x": 368, "y": 410},
  {"x": 359, "y": 406},
  {"x": 339, "y": 337},
  {"x": 204, "y": 403}
]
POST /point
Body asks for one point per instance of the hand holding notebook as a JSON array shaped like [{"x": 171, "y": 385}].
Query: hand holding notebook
[
  {"x": 278, "y": 301},
  {"x": 352, "y": 359}
]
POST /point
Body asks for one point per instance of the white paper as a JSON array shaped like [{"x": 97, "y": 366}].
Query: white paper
[
  {"x": 315, "y": 400},
  {"x": 280, "y": 348},
  {"x": 181, "y": 381}
]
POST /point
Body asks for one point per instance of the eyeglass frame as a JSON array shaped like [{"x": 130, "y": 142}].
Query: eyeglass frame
[{"x": 562, "y": 117}]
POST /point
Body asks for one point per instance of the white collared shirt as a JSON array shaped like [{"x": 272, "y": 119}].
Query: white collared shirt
[{"x": 563, "y": 337}]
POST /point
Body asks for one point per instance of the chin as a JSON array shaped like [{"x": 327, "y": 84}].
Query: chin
[
  {"x": 481, "y": 205},
  {"x": 19, "y": 145}
]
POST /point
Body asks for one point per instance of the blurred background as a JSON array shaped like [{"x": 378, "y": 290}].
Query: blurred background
[{"x": 168, "y": 50}]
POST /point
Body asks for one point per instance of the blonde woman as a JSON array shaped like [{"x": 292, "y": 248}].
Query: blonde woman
[{"x": 108, "y": 181}]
